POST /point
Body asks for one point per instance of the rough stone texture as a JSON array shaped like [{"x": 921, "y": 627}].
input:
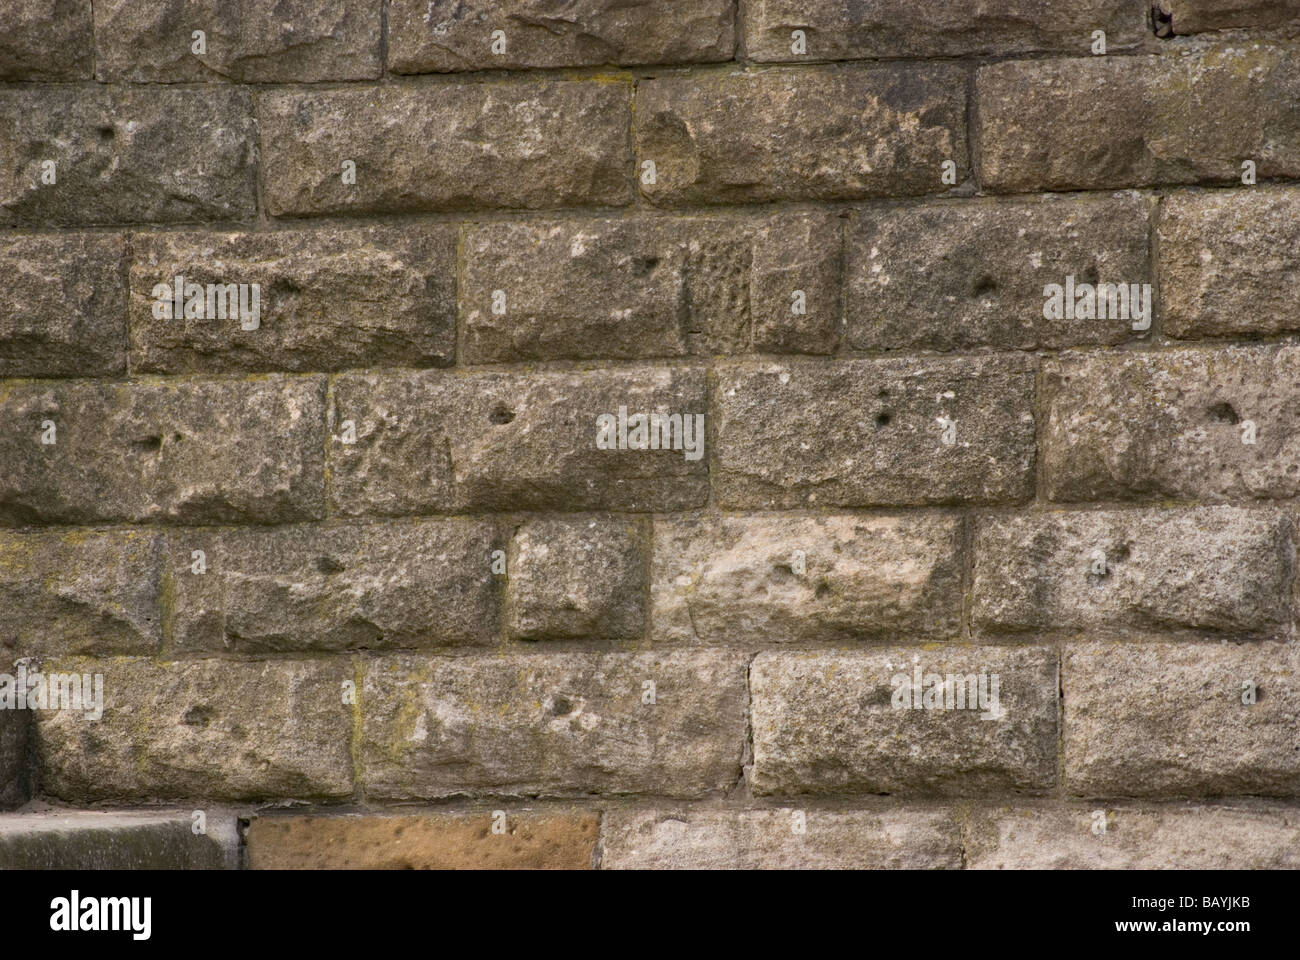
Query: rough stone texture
[
  {"x": 552, "y": 725},
  {"x": 65, "y": 309},
  {"x": 531, "y": 841},
  {"x": 1191, "y": 118},
  {"x": 1227, "y": 262},
  {"x": 201, "y": 729},
  {"x": 825, "y": 723},
  {"x": 827, "y": 133},
  {"x": 14, "y": 727},
  {"x": 312, "y": 587},
  {"x": 842, "y": 30},
  {"x": 147, "y": 41},
  {"x": 328, "y": 300},
  {"x": 793, "y": 579},
  {"x": 46, "y": 40},
  {"x": 871, "y": 432},
  {"x": 81, "y": 592},
  {"x": 58, "y": 839},
  {"x": 629, "y": 289},
  {"x": 429, "y": 442},
  {"x": 196, "y": 451},
  {"x": 950, "y": 276},
  {"x": 1167, "y": 720},
  {"x": 577, "y": 578},
  {"x": 703, "y": 839},
  {"x": 1185, "y": 17},
  {"x": 517, "y": 144},
  {"x": 436, "y": 36},
  {"x": 1214, "y": 570},
  {"x": 125, "y": 154},
  {"x": 1171, "y": 425},
  {"x": 1185, "y": 837}
]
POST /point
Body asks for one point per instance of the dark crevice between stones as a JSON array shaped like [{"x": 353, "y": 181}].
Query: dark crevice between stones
[{"x": 1162, "y": 23}]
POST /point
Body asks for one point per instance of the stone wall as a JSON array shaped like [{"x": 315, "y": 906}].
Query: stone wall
[{"x": 972, "y": 329}]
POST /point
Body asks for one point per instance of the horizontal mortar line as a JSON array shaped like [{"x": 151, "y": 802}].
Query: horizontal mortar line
[{"x": 639, "y": 208}]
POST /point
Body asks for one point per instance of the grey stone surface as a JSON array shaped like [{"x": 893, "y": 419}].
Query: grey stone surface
[{"x": 62, "y": 839}]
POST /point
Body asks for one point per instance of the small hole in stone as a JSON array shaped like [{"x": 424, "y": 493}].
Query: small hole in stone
[
  {"x": 105, "y": 133},
  {"x": 148, "y": 444},
  {"x": 883, "y": 418},
  {"x": 329, "y": 565},
  {"x": 822, "y": 592},
  {"x": 501, "y": 414},
  {"x": 1224, "y": 413},
  {"x": 560, "y": 706},
  {"x": 983, "y": 285}
]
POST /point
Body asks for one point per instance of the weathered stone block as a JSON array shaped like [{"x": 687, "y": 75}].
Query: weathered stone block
[
  {"x": 125, "y": 154},
  {"x": 832, "y": 723},
  {"x": 516, "y": 144},
  {"x": 1183, "y": 424},
  {"x": 147, "y": 41},
  {"x": 968, "y": 274},
  {"x": 703, "y": 839},
  {"x": 874, "y": 432},
  {"x": 442, "y": 36},
  {"x": 65, "y": 309},
  {"x": 1215, "y": 570},
  {"x": 1227, "y": 263},
  {"x": 1178, "y": 18},
  {"x": 817, "y": 133},
  {"x": 186, "y": 451},
  {"x": 1168, "y": 720},
  {"x": 46, "y": 40},
  {"x": 81, "y": 592},
  {"x": 1158, "y": 837},
  {"x": 792, "y": 579},
  {"x": 58, "y": 839},
  {"x": 577, "y": 578},
  {"x": 14, "y": 727},
  {"x": 372, "y": 586},
  {"x": 836, "y": 30},
  {"x": 557, "y": 725},
  {"x": 328, "y": 299},
  {"x": 430, "y": 442},
  {"x": 457, "y": 841},
  {"x": 210, "y": 729},
  {"x": 650, "y": 287},
  {"x": 1106, "y": 122}
]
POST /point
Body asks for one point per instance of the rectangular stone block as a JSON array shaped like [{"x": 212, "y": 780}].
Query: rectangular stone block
[
  {"x": 527, "y": 144},
  {"x": 1212, "y": 570},
  {"x": 430, "y": 442},
  {"x": 81, "y": 592},
  {"x": 314, "y": 588},
  {"x": 46, "y": 40},
  {"x": 306, "y": 41},
  {"x": 441, "y": 36},
  {"x": 832, "y": 723},
  {"x": 634, "y": 289},
  {"x": 426, "y": 841},
  {"x": 574, "y": 578},
  {"x": 1101, "y": 122},
  {"x": 328, "y": 299},
  {"x": 952, "y": 276},
  {"x": 1156, "y": 837},
  {"x": 1180, "y": 18},
  {"x": 58, "y": 839},
  {"x": 797, "y": 579},
  {"x": 814, "y": 133},
  {"x": 1170, "y": 720},
  {"x": 65, "y": 310},
  {"x": 201, "y": 729},
  {"x": 184, "y": 451},
  {"x": 703, "y": 839},
  {"x": 553, "y": 725},
  {"x": 1227, "y": 263},
  {"x": 14, "y": 729},
  {"x": 836, "y": 30},
  {"x": 874, "y": 432},
  {"x": 1175, "y": 424},
  {"x": 125, "y": 154}
]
